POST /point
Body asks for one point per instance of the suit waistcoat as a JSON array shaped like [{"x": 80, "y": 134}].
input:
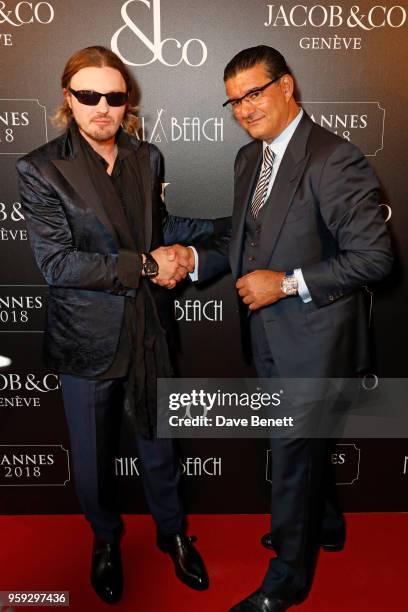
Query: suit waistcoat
[{"x": 251, "y": 252}]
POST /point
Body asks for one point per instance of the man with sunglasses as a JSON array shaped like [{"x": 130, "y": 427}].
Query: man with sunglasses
[
  {"x": 307, "y": 236},
  {"x": 97, "y": 226}
]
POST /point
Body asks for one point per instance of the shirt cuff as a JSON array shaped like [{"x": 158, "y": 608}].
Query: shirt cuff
[
  {"x": 302, "y": 287},
  {"x": 194, "y": 275}
]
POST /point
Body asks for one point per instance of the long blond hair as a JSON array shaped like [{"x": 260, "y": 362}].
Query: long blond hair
[{"x": 98, "y": 57}]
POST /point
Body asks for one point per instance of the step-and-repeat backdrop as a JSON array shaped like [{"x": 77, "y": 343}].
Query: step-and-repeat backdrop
[{"x": 350, "y": 64}]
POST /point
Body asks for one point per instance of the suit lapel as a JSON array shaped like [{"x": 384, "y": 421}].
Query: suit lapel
[
  {"x": 246, "y": 174},
  {"x": 279, "y": 202},
  {"x": 71, "y": 166},
  {"x": 73, "y": 171},
  {"x": 285, "y": 186}
]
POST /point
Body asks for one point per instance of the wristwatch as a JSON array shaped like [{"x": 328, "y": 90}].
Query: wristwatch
[
  {"x": 289, "y": 284},
  {"x": 150, "y": 267}
]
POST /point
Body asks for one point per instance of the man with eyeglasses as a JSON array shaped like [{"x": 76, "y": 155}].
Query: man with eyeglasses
[
  {"x": 307, "y": 235},
  {"x": 97, "y": 226}
]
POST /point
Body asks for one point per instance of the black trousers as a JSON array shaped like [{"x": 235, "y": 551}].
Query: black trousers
[
  {"x": 94, "y": 410},
  {"x": 303, "y": 505}
]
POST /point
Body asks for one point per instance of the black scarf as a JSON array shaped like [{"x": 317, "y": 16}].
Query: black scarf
[{"x": 121, "y": 196}]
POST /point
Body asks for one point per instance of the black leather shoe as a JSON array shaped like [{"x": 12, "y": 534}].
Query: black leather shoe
[
  {"x": 188, "y": 564},
  {"x": 106, "y": 572},
  {"x": 261, "y": 602},
  {"x": 334, "y": 546}
]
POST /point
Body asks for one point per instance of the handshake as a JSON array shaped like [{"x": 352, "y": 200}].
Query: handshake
[{"x": 175, "y": 262}]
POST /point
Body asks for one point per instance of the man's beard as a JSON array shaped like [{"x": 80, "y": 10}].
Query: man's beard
[{"x": 101, "y": 134}]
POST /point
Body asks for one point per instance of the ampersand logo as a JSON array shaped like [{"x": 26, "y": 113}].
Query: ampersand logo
[{"x": 156, "y": 46}]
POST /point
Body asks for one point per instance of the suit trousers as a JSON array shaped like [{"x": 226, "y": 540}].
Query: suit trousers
[
  {"x": 301, "y": 506},
  {"x": 94, "y": 410}
]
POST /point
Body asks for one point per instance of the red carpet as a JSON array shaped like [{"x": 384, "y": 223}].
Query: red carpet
[{"x": 53, "y": 553}]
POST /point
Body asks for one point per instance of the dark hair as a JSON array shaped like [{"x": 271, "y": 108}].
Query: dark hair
[
  {"x": 96, "y": 57},
  {"x": 274, "y": 61}
]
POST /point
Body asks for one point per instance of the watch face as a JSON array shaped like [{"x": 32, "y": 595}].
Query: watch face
[
  {"x": 289, "y": 285},
  {"x": 151, "y": 267}
]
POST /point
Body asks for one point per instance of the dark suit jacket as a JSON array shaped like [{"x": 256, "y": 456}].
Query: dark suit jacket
[
  {"x": 77, "y": 249},
  {"x": 322, "y": 216}
]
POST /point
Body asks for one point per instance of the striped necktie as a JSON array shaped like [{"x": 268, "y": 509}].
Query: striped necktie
[{"x": 262, "y": 187}]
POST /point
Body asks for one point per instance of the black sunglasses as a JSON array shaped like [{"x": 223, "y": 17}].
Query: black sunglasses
[{"x": 91, "y": 98}]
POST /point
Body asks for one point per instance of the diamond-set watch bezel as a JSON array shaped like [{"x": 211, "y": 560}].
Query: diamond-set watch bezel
[{"x": 289, "y": 284}]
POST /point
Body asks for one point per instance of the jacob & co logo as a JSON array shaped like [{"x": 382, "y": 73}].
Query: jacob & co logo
[
  {"x": 22, "y": 14},
  {"x": 27, "y": 12},
  {"x": 11, "y": 214},
  {"x": 25, "y": 390},
  {"x": 355, "y": 18},
  {"x": 193, "y": 51}
]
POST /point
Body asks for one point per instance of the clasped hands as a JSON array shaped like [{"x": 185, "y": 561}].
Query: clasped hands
[
  {"x": 175, "y": 262},
  {"x": 260, "y": 288}
]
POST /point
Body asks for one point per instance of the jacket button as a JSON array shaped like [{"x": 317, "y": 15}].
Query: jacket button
[
  {"x": 331, "y": 298},
  {"x": 251, "y": 258},
  {"x": 253, "y": 244}
]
